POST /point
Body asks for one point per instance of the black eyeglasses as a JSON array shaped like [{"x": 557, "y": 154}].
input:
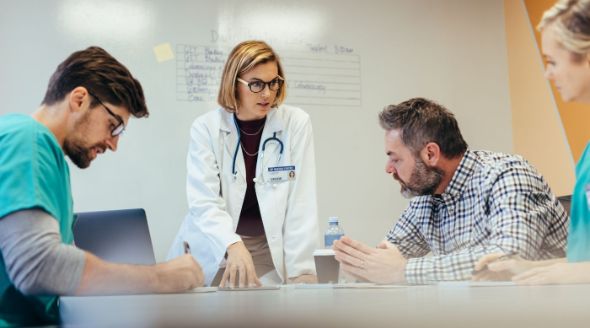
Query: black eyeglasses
[
  {"x": 257, "y": 85},
  {"x": 117, "y": 129}
]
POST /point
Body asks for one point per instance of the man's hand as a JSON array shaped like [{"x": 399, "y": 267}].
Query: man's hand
[
  {"x": 180, "y": 274},
  {"x": 382, "y": 265},
  {"x": 499, "y": 266},
  {"x": 304, "y": 279},
  {"x": 239, "y": 268},
  {"x": 106, "y": 278}
]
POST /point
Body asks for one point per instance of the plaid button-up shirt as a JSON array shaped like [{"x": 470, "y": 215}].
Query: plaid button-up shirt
[{"x": 494, "y": 203}]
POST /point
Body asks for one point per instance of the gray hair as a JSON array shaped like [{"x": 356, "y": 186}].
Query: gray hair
[{"x": 422, "y": 121}]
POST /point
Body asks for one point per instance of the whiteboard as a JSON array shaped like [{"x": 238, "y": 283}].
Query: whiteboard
[{"x": 380, "y": 52}]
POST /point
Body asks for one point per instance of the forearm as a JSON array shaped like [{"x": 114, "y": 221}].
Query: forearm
[
  {"x": 459, "y": 265},
  {"x": 406, "y": 234},
  {"x": 548, "y": 262},
  {"x": 36, "y": 260},
  {"x": 101, "y": 277},
  {"x": 454, "y": 266}
]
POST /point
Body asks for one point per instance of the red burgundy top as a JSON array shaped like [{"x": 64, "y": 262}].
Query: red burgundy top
[{"x": 250, "y": 222}]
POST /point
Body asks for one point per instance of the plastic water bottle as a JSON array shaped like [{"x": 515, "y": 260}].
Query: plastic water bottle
[{"x": 334, "y": 231}]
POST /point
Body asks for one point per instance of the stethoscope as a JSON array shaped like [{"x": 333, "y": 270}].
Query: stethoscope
[{"x": 270, "y": 139}]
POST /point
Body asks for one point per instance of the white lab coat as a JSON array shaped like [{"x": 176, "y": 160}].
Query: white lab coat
[{"x": 215, "y": 197}]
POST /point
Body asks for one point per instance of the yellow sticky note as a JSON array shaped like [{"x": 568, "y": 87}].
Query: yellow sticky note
[{"x": 163, "y": 52}]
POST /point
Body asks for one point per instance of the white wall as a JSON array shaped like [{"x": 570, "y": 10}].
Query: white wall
[{"x": 451, "y": 51}]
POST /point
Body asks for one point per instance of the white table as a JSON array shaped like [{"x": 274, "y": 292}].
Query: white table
[{"x": 447, "y": 305}]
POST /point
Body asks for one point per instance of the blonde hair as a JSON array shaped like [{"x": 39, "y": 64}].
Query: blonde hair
[
  {"x": 244, "y": 57},
  {"x": 571, "y": 21}
]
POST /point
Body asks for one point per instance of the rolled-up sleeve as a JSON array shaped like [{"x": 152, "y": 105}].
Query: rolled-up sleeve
[{"x": 37, "y": 261}]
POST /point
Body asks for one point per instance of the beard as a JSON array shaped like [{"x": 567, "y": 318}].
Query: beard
[
  {"x": 76, "y": 146},
  {"x": 78, "y": 153},
  {"x": 423, "y": 181}
]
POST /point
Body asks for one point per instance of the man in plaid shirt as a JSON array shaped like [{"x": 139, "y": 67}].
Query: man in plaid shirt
[{"x": 465, "y": 204}]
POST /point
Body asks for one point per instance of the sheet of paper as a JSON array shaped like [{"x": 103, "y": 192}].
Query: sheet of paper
[
  {"x": 237, "y": 289},
  {"x": 313, "y": 286},
  {"x": 363, "y": 285},
  {"x": 203, "y": 290}
]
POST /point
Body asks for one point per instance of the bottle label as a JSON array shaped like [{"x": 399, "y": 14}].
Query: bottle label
[{"x": 329, "y": 239}]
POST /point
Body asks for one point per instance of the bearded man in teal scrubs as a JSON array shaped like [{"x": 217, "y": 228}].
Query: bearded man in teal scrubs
[{"x": 89, "y": 100}]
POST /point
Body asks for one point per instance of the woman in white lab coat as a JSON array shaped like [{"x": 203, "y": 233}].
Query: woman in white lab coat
[{"x": 251, "y": 180}]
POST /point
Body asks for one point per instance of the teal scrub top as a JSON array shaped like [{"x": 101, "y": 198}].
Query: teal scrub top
[
  {"x": 578, "y": 243},
  {"x": 33, "y": 175}
]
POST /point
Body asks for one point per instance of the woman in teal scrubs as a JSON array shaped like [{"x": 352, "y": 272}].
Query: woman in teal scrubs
[{"x": 565, "y": 32}]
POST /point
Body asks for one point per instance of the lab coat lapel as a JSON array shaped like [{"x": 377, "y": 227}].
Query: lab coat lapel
[
  {"x": 228, "y": 127},
  {"x": 274, "y": 124}
]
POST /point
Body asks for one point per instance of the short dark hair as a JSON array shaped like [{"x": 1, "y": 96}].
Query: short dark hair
[
  {"x": 100, "y": 73},
  {"x": 422, "y": 121}
]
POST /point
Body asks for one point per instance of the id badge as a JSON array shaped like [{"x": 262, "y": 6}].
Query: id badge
[{"x": 281, "y": 173}]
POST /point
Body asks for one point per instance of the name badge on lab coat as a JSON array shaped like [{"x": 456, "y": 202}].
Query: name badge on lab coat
[{"x": 281, "y": 173}]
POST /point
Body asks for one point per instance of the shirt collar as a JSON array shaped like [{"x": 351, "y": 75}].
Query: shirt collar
[{"x": 462, "y": 175}]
